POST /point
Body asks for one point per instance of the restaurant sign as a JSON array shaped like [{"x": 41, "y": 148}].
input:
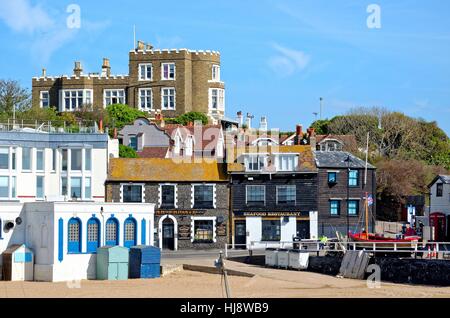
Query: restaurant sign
[
  {"x": 180, "y": 212},
  {"x": 184, "y": 232},
  {"x": 275, "y": 214}
]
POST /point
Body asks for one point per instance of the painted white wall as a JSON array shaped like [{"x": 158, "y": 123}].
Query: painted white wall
[
  {"x": 40, "y": 232},
  {"x": 254, "y": 229},
  {"x": 314, "y": 225},
  {"x": 288, "y": 229}
]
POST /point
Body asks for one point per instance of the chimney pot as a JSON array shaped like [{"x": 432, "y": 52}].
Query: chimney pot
[
  {"x": 78, "y": 70},
  {"x": 106, "y": 68},
  {"x": 44, "y": 72}
]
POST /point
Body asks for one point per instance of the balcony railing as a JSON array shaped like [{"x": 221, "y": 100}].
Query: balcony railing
[{"x": 55, "y": 127}]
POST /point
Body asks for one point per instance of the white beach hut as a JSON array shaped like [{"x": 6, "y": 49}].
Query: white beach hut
[{"x": 18, "y": 263}]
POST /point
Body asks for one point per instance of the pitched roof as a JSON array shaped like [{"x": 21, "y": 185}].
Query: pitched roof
[
  {"x": 168, "y": 170},
  {"x": 444, "y": 178},
  {"x": 337, "y": 159}
]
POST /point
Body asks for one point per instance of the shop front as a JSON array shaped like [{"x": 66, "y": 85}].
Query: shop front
[{"x": 260, "y": 229}]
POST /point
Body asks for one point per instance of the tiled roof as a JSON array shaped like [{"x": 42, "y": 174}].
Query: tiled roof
[
  {"x": 167, "y": 170},
  {"x": 153, "y": 152},
  {"x": 336, "y": 159},
  {"x": 349, "y": 141}
]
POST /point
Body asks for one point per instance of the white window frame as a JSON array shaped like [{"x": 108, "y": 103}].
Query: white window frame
[
  {"x": 174, "y": 71},
  {"x": 279, "y": 165},
  {"x": 287, "y": 185},
  {"x": 42, "y": 99},
  {"x": 146, "y": 66},
  {"x": 203, "y": 218},
  {"x": 254, "y": 185},
  {"x": 85, "y": 99},
  {"x": 220, "y": 99},
  {"x": 142, "y": 185},
  {"x": 9, "y": 186},
  {"x": 175, "y": 194},
  {"x": 168, "y": 96},
  {"x": 203, "y": 184},
  {"x": 146, "y": 107},
  {"x": 109, "y": 90},
  {"x": 43, "y": 187},
  {"x": 259, "y": 158},
  {"x": 215, "y": 70},
  {"x": 43, "y": 159}
]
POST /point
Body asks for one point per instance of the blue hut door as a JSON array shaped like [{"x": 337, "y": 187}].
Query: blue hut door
[
  {"x": 93, "y": 232},
  {"x": 74, "y": 236},
  {"x": 130, "y": 233},
  {"x": 112, "y": 232}
]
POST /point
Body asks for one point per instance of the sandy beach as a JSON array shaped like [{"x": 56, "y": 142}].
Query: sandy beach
[{"x": 190, "y": 284}]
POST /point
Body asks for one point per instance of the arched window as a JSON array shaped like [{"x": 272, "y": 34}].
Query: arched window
[
  {"x": 130, "y": 232},
  {"x": 112, "y": 232},
  {"x": 93, "y": 235},
  {"x": 74, "y": 236}
]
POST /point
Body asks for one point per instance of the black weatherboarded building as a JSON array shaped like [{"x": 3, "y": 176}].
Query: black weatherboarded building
[{"x": 342, "y": 191}]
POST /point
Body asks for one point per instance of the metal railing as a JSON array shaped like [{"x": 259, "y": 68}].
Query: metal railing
[
  {"x": 44, "y": 126},
  {"x": 334, "y": 245}
]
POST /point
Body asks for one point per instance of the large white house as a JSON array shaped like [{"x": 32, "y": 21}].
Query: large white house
[{"x": 37, "y": 166}]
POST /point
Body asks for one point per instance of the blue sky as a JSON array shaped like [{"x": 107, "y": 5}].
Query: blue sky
[{"x": 278, "y": 57}]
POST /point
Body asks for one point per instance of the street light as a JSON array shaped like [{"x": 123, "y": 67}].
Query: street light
[{"x": 348, "y": 160}]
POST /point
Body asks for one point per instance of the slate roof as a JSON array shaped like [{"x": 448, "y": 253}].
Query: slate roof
[
  {"x": 153, "y": 152},
  {"x": 167, "y": 170},
  {"x": 336, "y": 159},
  {"x": 444, "y": 178}
]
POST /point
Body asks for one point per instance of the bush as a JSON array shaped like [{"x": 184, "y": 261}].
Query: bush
[
  {"x": 127, "y": 152},
  {"x": 121, "y": 115},
  {"x": 191, "y": 117}
]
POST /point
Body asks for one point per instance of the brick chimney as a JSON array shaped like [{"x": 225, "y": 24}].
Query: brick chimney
[
  {"x": 240, "y": 118},
  {"x": 77, "y": 70},
  {"x": 140, "y": 45},
  {"x": 312, "y": 138},
  {"x": 298, "y": 134},
  {"x": 106, "y": 68}
]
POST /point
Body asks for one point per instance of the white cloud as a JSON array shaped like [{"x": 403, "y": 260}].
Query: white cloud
[
  {"x": 288, "y": 61},
  {"x": 21, "y": 16}
]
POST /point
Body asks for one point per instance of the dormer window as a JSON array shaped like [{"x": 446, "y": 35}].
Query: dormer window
[
  {"x": 287, "y": 162},
  {"x": 254, "y": 162}
]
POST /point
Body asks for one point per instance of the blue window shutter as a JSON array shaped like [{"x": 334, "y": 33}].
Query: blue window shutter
[
  {"x": 143, "y": 232},
  {"x": 60, "y": 239}
]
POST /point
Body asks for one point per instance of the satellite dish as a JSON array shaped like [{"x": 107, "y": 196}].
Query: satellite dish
[{"x": 18, "y": 220}]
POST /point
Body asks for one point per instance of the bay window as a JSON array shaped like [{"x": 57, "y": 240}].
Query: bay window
[
  {"x": 4, "y": 158},
  {"x": 217, "y": 98},
  {"x": 39, "y": 187},
  {"x": 75, "y": 159},
  {"x": 75, "y": 187},
  {"x": 4, "y": 187},
  {"x": 26, "y": 158}
]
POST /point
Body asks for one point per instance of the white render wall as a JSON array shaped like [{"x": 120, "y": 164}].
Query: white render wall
[{"x": 40, "y": 232}]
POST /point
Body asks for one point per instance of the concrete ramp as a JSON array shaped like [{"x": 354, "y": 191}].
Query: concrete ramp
[{"x": 354, "y": 264}]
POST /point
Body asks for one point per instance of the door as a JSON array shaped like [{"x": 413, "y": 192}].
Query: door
[
  {"x": 168, "y": 234},
  {"x": 113, "y": 271},
  {"x": 240, "y": 233},
  {"x": 303, "y": 229},
  {"x": 437, "y": 221}
]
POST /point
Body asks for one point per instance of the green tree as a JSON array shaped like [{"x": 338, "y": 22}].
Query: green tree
[
  {"x": 121, "y": 115},
  {"x": 321, "y": 126},
  {"x": 191, "y": 117},
  {"x": 127, "y": 152},
  {"x": 13, "y": 96}
]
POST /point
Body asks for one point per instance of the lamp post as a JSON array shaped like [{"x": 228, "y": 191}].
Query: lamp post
[{"x": 348, "y": 160}]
